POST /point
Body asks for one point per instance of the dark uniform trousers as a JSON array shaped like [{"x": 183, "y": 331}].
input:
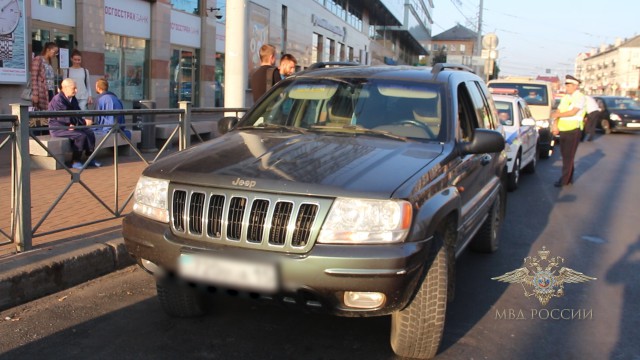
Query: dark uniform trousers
[
  {"x": 590, "y": 126},
  {"x": 569, "y": 141}
]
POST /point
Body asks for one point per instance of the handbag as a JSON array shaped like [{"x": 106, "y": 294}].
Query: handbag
[{"x": 26, "y": 92}]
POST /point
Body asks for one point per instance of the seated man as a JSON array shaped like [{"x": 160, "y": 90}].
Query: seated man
[
  {"x": 82, "y": 139},
  {"x": 533, "y": 97},
  {"x": 107, "y": 100},
  {"x": 505, "y": 118}
]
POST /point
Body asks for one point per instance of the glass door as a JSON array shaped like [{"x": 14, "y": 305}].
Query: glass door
[{"x": 183, "y": 78}]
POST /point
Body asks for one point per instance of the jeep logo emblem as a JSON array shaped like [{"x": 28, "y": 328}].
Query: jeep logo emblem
[{"x": 246, "y": 183}]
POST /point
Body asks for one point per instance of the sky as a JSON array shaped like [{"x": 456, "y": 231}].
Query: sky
[{"x": 542, "y": 37}]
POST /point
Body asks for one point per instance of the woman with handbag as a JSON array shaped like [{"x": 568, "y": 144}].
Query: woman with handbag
[{"x": 43, "y": 83}]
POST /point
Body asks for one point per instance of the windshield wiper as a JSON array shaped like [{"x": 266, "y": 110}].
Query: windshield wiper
[
  {"x": 366, "y": 131},
  {"x": 275, "y": 127}
]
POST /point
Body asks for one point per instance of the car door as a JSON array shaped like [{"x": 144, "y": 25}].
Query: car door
[
  {"x": 528, "y": 133},
  {"x": 471, "y": 172}
]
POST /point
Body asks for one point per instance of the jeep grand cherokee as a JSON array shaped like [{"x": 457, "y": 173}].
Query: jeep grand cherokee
[{"x": 347, "y": 190}]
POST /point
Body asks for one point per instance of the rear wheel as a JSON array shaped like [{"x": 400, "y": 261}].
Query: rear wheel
[
  {"x": 486, "y": 240},
  {"x": 416, "y": 331},
  {"x": 514, "y": 175},
  {"x": 531, "y": 167},
  {"x": 179, "y": 299}
]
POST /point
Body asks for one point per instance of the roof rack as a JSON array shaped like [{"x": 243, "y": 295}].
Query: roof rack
[
  {"x": 326, "y": 64},
  {"x": 437, "y": 68}
]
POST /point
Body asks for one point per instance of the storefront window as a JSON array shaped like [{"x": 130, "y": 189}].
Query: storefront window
[
  {"x": 183, "y": 77},
  {"x": 43, "y": 35},
  {"x": 125, "y": 66}
]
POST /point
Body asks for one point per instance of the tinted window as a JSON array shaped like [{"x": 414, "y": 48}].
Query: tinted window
[{"x": 404, "y": 108}]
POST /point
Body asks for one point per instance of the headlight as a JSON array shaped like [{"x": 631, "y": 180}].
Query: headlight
[
  {"x": 356, "y": 221},
  {"x": 150, "y": 198},
  {"x": 542, "y": 124},
  {"x": 615, "y": 117}
]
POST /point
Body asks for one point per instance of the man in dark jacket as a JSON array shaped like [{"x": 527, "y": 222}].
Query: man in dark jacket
[
  {"x": 267, "y": 74},
  {"x": 82, "y": 139}
]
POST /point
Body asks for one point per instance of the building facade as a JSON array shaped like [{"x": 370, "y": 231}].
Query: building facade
[
  {"x": 612, "y": 69},
  {"x": 173, "y": 50}
]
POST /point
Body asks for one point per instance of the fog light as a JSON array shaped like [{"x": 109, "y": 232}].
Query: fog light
[
  {"x": 150, "y": 267},
  {"x": 363, "y": 300}
]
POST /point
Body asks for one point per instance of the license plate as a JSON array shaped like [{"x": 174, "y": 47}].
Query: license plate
[
  {"x": 235, "y": 273},
  {"x": 633, "y": 125}
]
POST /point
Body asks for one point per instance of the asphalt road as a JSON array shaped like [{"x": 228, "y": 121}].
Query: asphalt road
[{"x": 594, "y": 225}]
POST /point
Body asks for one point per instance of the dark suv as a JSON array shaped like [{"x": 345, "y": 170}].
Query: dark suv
[{"x": 346, "y": 190}]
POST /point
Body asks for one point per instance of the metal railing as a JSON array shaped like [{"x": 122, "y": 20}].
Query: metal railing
[{"x": 19, "y": 229}]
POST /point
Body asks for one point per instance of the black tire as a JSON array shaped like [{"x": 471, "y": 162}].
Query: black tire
[
  {"x": 179, "y": 299},
  {"x": 606, "y": 127},
  {"x": 416, "y": 331},
  {"x": 514, "y": 175},
  {"x": 545, "y": 152},
  {"x": 531, "y": 166},
  {"x": 486, "y": 240}
]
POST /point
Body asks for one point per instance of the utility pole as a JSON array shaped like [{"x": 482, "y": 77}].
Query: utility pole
[{"x": 479, "y": 40}]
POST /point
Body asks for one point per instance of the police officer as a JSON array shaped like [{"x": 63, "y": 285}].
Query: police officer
[{"x": 568, "y": 123}]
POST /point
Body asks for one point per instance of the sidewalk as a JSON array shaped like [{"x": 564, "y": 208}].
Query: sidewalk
[{"x": 64, "y": 259}]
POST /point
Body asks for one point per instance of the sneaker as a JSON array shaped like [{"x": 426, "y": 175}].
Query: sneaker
[
  {"x": 95, "y": 163},
  {"x": 77, "y": 165}
]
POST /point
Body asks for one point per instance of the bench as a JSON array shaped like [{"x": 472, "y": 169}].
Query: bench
[{"x": 60, "y": 147}]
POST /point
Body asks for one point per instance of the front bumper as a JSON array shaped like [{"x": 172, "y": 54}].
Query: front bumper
[{"x": 316, "y": 280}]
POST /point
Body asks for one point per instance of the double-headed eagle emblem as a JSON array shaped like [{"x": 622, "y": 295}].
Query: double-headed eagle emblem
[{"x": 543, "y": 280}]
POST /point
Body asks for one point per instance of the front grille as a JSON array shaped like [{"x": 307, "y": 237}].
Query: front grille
[{"x": 247, "y": 219}]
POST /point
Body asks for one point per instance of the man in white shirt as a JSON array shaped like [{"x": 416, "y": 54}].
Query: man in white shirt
[{"x": 592, "y": 118}]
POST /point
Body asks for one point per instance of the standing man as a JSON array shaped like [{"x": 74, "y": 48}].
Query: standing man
[
  {"x": 593, "y": 116},
  {"x": 568, "y": 123},
  {"x": 267, "y": 74},
  {"x": 287, "y": 66}
]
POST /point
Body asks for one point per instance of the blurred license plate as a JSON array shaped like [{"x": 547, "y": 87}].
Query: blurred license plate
[
  {"x": 235, "y": 273},
  {"x": 633, "y": 125}
]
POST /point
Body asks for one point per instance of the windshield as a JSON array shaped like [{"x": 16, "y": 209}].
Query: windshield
[
  {"x": 533, "y": 94},
  {"x": 406, "y": 109},
  {"x": 621, "y": 103}
]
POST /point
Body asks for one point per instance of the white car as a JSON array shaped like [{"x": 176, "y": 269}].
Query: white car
[{"x": 521, "y": 135}]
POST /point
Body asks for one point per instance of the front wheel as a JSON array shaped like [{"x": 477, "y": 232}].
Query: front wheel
[
  {"x": 416, "y": 331},
  {"x": 606, "y": 127}
]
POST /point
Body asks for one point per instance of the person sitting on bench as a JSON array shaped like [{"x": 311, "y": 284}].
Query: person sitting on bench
[{"x": 82, "y": 139}]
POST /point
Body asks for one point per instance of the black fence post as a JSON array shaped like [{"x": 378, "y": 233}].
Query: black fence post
[{"x": 148, "y": 127}]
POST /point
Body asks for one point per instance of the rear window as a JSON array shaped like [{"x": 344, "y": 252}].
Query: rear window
[
  {"x": 621, "y": 103},
  {"x": 533, "y": 94}
]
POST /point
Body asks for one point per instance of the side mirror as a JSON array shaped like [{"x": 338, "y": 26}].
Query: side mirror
[
  {"x": 528, "y": 122},
  {"x": 226, "y": 124},
  {"x": 484, "y": 141}
]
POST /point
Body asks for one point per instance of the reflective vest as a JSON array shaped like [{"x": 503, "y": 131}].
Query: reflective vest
[{"x": 567, "y": 103}]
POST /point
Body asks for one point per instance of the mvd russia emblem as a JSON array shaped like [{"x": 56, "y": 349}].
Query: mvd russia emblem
[{"x": 538, "y": 276}]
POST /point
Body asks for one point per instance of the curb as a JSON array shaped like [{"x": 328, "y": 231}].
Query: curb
[{"x": 46, "y": 271}]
